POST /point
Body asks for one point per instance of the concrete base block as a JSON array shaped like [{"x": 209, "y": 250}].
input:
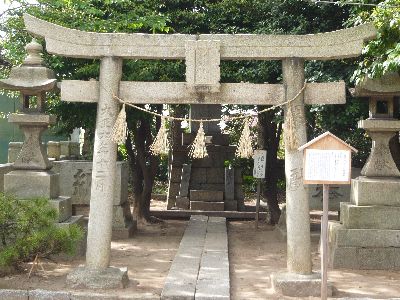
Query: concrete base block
[
  {"x": 359, "y": 258},
  {"x": 375, "y": 191},
  {"x": 364, "y": 249},
  {"x": 297, "y": 285},
  {"x": 369, "y": 217},
  {"x": 109, "y": 278},
  {"x": 182, "y": 202},
  {"x": 209, "y": 206},
  {"x": 63, "y": 207},
  {"x": 344, "y": 237},
  {"x": 32, "y": 184}
]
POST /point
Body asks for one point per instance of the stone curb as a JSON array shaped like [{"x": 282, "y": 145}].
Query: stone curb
[{"x": 38, "y": 294}]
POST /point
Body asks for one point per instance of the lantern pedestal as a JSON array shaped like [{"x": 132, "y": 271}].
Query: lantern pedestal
[
  {"x": 380, "y": 162},
  {"x": 33, "y": 155}
]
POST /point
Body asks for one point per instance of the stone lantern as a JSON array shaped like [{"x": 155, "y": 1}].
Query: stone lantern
[
  {"x": 32, "y": 79},
  {"x": 367, "y": 235},
  {"x": 381, "y": 126}
]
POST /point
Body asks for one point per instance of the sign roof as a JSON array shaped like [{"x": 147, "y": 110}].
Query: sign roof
[{"x": 324, "y": 135}]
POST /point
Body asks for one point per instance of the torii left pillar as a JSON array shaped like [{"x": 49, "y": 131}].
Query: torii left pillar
[{"x": 97, "y": 273}]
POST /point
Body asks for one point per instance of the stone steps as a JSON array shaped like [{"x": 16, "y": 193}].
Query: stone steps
[
  {"x": 186, "y": 214},
  {"x": 207, "y": 206},
  {"x": 200, "y": 269},
  {"x": 206, "y": 196},
  {"x": 207, "y": 200}
]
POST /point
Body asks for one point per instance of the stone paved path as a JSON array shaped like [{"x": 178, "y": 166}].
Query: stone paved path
[{"x": 200, "y": 269}]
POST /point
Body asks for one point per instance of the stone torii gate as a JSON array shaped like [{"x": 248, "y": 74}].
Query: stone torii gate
[{"x": 202, "y": 54}]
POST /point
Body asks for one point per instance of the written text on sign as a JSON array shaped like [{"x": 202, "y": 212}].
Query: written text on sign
[{"x": 327, "y": 165}]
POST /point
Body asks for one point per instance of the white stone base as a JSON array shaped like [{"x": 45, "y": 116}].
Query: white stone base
[
  {"x": 109, "y": 278},
  {"x": 32, "y": 184},
  {"x": 297, "y": 285}
]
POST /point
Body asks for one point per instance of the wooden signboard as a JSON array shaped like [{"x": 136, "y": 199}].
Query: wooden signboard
[
  {"x": 260, "y": 163},
  {"x": 326, "y": 160}
]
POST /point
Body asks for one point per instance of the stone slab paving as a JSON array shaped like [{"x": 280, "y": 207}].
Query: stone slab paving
[
  {"x": 213, "y": 279},
  {"x": 39, "y": 294},
  {"x": 200, "y": 269},
  {"x": 181, "y": 280}
]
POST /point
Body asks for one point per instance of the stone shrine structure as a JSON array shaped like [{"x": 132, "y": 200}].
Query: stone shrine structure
[
  {"x": 202, "y": 54},
  {"x": 205, "y": 184},
  {"x": 31, "y": 176},
  {"x": 367, "y": 236}
]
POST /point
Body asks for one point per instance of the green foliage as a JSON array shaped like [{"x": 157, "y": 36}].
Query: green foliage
[
  {"x": 209, "y": 16},
  {"x": 382, "y": 54},
  {"x": 249, "y": 184},
  {"x": 91, "y": 15},
  {"x": 27, "y": 230},
  {"x": 160, "y": 187}
]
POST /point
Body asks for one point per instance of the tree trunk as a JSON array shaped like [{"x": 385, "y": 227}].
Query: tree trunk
[
  {"x": 143, "y": 166},
  {"x": 269, "y": 133}
]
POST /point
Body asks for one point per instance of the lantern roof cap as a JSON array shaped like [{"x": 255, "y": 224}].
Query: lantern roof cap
[
  {"x": 32, "y": 76},
  {"x": 387, "y": 85}
]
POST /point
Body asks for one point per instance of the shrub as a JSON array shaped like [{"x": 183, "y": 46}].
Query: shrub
[{"x": 28, "y": 229}]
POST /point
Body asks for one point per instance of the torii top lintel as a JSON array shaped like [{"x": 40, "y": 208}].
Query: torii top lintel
[{"x": 322, "y": 46}]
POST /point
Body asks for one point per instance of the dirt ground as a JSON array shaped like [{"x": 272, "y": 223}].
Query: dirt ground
[
  {"x": 148, "y": 256},
  {"x": 253, "y": 255}
]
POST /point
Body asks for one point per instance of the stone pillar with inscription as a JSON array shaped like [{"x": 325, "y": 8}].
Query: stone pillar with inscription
[
  {"x": 367, "y": 235},
  {"x": 299, "y": 265},
  {"x": 97, "y": 273}
]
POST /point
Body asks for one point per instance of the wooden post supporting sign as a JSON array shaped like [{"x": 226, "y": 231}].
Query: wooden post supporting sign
[{"x": 327, "y": 160}]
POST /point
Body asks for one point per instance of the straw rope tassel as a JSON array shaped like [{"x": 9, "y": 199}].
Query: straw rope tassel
[
  {"x": 198, "y": 147},
  {"x": 120, "y": 127},
  {"x": 244, "y": 148},
  {"x": 160, "y": 145}
]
